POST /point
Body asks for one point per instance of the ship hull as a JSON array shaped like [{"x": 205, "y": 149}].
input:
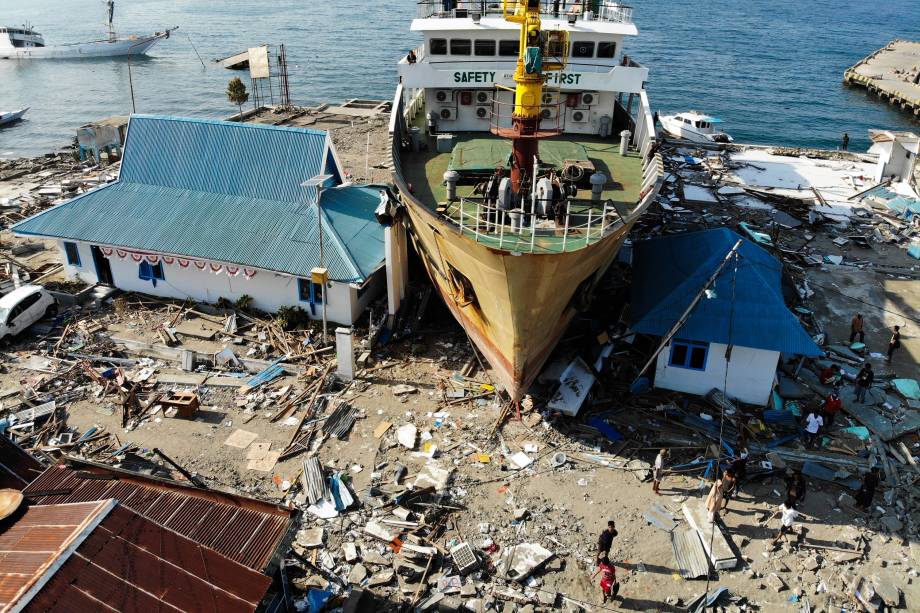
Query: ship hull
[
  {"x": 523, "y": 302},
  {"x": 95, "y": 49}
]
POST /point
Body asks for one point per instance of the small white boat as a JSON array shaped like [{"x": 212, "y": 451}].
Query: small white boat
[
  {"x": 12, "y": 116},
  {"x": 24, "y": 43},
  {"x": 695, "y": 127}
]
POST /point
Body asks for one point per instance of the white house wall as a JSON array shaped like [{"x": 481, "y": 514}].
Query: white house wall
[
  {"x": 751, "y": 373},
  {"x": 269, "y": 291}
]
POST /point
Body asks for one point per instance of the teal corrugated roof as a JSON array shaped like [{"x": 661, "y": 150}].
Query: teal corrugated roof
[
  {"x": 226, "y": 192},
  {"x": 668, "y": 272}
]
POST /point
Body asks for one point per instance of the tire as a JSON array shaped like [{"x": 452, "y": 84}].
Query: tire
[{"x": 52, "y": 310}]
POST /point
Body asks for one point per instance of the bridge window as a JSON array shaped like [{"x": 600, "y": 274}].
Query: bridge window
[
  {"x": 508, "y": 48},
  {"x": 437, "y": 46},
  {"x": 583, "y": 49},
  {"x": 606, "y": 50},
  {"x": 460, "y": 46},
  {"x": 484, "y": 47}
]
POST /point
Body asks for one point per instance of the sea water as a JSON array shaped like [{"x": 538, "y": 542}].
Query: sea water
[{"x": 771, "y": 69}]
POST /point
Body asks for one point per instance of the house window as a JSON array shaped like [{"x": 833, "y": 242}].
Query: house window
[
  {"x": 484, "y": 47},
  {"x": 460, "y": 46},
  {"x": 437, "y": 46},
  {"x": 583, "y": 49},
  {"x": 606, "y": 49},
  {"x": 310, "y": 292},
  {"x": 73, "y": 254},
  {"x": 508, "y": 48},
  {"x": 688, "y": 354},
  {"x": 151, "y": 272}
]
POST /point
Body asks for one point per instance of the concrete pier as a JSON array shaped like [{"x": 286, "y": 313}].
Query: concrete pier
[{"x": 892, "y": 73}]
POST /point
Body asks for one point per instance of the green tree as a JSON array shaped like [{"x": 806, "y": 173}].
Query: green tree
[{"x": 237, "y": 94}]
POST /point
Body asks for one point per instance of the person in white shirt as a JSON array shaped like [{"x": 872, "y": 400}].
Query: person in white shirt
[
  {"x": 789, "y": 514},
  {"x": 658, "y": 471},
  {"x": 813, "y": 423}
]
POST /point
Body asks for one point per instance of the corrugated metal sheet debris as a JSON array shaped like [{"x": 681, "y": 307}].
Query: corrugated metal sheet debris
[
  {"x": 131, "y": 564},
  {"x": 37, "y": 539},
  {"x": 314, "y": 484},
  {"x": 692, "y": 562},
  {"x": 340, "y": 422},
  {"x": 245, "y": 530}
]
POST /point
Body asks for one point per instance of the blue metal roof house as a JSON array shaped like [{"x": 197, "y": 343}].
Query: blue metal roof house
[
  {"x": 746, "y": 311},
  {"x": 209, "y": 209}
]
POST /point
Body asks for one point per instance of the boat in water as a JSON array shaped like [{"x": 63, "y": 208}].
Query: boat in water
[
  {"x": 524, "y": 151},
  {"x": 12, "y": 116},
  {"x": 24, "y": 43},
  {"x": 695, "y": 127}
]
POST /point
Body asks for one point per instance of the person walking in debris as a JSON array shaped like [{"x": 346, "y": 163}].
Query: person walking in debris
[
  {"x": 832, "y": 406},
  {"x": 845, "y": 144},
  {"x": 796, "y": 487},
  {"x": 658, "y": 470},
  {"x": 867, "y": 490},
  {"x": 789, "y": 514},
  {"x": 813, "y": 423},
  {"x": 609, "y": 584},
  {"x": 605, "y": 540},
  {"x": 729, "y": 487},
  {"x": 738, "y": 467},
  {"x": 864, "y": 381},
  {"x": 856, "y": 329},
  {"x": 895, "y": 341},
  {"x": 714, "y": 500}
]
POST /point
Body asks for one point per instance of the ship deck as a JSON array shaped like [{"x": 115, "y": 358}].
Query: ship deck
[{"x": 475, "y": 156}]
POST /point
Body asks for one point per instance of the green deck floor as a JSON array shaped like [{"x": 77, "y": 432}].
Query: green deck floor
[{"x": 425, "y": 172}]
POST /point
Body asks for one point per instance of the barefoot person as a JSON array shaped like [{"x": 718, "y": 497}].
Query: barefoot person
[
  {"x": 789, "y": 514},
  {"x": 609, "y": 585},
  {"x": 658, "y": 471}
]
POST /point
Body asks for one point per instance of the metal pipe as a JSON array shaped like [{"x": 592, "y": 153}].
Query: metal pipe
[
  {"x": 565, "y": 234},
  {"x": 192, "y": 479},
  {"x": 478, "y": 215},
  {"x": 588, "y": 233}
]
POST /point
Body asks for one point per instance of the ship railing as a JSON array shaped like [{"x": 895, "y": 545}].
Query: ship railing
[
  {"x": 577, "y": 10},
  {"x": 575, "y": 225}
]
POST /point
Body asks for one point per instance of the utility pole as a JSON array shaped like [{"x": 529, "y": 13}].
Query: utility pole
[{"x": 320, "y": 274}]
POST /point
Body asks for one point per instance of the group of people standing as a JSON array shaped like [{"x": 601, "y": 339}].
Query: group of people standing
[{"x": 857, "y": 329}]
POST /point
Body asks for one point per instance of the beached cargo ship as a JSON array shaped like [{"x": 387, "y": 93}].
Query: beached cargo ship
[{"x": 524, "y": 151}]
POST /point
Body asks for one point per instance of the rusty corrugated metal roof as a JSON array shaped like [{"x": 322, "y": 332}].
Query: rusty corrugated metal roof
[
  {"x": 35, "y": 540},
  {"x": 130, "y": 564},
  {"x": 245, "y": 530},
  {"x": 17, "y": 467}
]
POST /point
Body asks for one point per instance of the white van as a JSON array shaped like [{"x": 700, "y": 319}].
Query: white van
[{"x": 22, "y": 307}]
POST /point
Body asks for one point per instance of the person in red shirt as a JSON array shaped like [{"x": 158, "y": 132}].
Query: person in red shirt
[
  {"x": 609, "y": 585},
  {"x": 832, "y": 406}
]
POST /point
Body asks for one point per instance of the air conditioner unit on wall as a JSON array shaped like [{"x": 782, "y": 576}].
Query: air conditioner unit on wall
[
  {"x": 443, "y": 95},
  {"x": 580, "y": 116},
  {"x": 483, "y": 98},
  {"x": 482, "y": 112},
  {"x": 550, "y": 98},
  {"x": 589, "y": 98},
  {"x": 549, "y": 112},
  {"x": 448, "y": 114}
]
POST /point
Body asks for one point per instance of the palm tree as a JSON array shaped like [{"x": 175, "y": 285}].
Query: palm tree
[{"x": 237, "y": 94}]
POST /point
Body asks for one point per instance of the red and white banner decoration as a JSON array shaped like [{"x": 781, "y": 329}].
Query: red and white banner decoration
[{"x": 155, "y": 258}]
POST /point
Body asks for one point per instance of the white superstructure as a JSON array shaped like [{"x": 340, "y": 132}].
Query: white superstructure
[{"x": 470, "y": 52}]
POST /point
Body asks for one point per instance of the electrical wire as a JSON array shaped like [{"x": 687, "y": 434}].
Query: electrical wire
[{"x": 731, "y": 317}]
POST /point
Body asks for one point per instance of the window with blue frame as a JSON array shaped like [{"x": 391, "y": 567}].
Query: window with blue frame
[
  {"x": 310, "y": 292},
  {"x": 73, "y": 254},
  {"x": 689, "y": 354},
  {"x": 151, "y": 272}
]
